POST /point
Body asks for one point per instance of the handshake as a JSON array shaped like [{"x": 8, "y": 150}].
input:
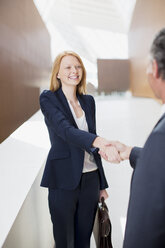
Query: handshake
[{"x": 112, "y": 151}]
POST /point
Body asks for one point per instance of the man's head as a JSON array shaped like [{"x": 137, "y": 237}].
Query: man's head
[{"x": 156, "y": 68}]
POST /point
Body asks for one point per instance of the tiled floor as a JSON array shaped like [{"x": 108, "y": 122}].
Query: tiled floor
[{"x": 129, "y": 120}]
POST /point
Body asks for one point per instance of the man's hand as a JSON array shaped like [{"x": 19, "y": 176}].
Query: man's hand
[
  {"x": 123, "y": 150},
  {"x": 110, "y": 155}
]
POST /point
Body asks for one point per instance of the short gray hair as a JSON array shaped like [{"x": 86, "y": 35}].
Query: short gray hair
[{"x": 158, "y": 52}]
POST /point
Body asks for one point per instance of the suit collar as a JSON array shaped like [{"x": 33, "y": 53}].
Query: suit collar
[
  {"x": 161, "y": 118},
  {"x": 163, "y": 109}
]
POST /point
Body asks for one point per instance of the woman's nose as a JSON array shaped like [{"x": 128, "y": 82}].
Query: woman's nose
[{"x": 74, "y": 69}]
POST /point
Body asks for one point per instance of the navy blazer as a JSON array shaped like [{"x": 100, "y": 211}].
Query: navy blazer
[
  {"x": 145, "y": 226},
  {"x": 65, "y": 160}
]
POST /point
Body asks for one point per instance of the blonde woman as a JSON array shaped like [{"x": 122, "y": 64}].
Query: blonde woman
[{"x": 73, "y": 173}]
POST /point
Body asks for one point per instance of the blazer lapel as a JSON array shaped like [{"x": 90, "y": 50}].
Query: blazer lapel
[
  {"x": 85, "y": 107},
  {"x": 162, "y": 117},
  {"x": 63, "y": 101}
]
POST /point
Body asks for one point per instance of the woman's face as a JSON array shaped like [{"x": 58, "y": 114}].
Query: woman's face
[{"x": 71, "y": 71}]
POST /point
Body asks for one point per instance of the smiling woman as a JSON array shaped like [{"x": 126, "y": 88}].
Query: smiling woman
[
  {"x": 73, "y": 173},
  {"x": 70, "y": 71},
  {"x": 68, "y": 67}
]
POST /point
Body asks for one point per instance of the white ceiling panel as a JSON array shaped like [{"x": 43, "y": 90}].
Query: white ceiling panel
[{"x": 92, "y": 28}]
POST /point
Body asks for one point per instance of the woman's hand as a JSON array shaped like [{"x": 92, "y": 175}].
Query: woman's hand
[
  {"x": 116, "y": 152},
  {"x": 103, "y": 193},
  {"x": 101, "y": 143},
  {"x": 110, "y": 154}
]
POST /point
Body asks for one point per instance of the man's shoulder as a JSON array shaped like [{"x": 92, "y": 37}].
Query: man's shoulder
[
  {"x": 156, "y": 139},
  {"x": 160, "y": 127}
]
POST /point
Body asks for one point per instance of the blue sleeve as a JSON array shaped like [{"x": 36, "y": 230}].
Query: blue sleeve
[{"x": 134, "y": 156}]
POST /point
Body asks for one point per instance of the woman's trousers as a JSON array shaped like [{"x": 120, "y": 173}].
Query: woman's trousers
[{"x": 73, "y": 212}]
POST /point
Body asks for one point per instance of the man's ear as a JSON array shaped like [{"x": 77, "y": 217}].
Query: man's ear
[{"x": 155, "y": 69}]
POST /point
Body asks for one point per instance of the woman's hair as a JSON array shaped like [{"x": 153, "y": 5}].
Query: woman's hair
[{"x": 55, "y": 83}]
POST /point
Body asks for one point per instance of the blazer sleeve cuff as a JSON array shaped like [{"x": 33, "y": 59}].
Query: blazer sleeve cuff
[{"x": 134, "y": 156}]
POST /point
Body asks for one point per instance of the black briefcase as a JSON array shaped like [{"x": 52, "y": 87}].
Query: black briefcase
[{"x": 105, "y": 227}]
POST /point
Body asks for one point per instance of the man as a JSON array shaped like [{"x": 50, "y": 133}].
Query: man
[{"x": 145, "y": 227}]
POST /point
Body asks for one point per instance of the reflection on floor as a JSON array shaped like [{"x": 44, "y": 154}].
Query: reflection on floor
[{"x": 128, "y": 120}]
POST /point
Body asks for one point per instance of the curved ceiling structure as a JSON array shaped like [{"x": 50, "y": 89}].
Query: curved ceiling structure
[{"x": 92, "y": 28}]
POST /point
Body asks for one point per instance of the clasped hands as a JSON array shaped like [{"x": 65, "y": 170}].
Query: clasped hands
[{"x": 112, "y": 151}]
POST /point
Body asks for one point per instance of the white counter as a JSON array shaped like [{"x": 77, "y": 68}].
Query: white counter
[{"x": 21, "y": 157}]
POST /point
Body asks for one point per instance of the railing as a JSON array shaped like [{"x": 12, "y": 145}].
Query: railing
[{"x": 24, "y": 220}]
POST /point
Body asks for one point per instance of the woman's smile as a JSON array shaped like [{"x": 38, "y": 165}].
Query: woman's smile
[{"x": 70, "y": 71}]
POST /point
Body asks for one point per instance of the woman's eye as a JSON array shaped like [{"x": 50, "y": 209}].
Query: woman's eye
[
  {"x": 79, "y": 67},
  {"x": 68, "y": 67}
]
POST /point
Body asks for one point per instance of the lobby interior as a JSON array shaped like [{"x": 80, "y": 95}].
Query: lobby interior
[{"x": 113, "y": 41}]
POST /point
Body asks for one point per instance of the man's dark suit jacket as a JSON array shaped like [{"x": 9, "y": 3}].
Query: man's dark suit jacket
[
  {"x": 65, "y": 160},
  {"x": 145, "y": 226}
]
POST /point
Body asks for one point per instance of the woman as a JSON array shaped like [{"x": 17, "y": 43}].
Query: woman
[{"x": 73, "y": 173}]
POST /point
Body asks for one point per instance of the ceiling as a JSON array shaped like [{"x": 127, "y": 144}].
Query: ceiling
[
  {"x": 92, "y": 28},
  {"x": 114, "y": 15}
]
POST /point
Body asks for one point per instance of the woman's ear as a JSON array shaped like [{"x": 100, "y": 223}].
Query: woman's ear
[
  {"x": 58, "y": 76},
  {"x": 155, "y": 69}
]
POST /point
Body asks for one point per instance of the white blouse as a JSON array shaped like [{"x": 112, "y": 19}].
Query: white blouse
[{"x": 89, "y": 162}]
